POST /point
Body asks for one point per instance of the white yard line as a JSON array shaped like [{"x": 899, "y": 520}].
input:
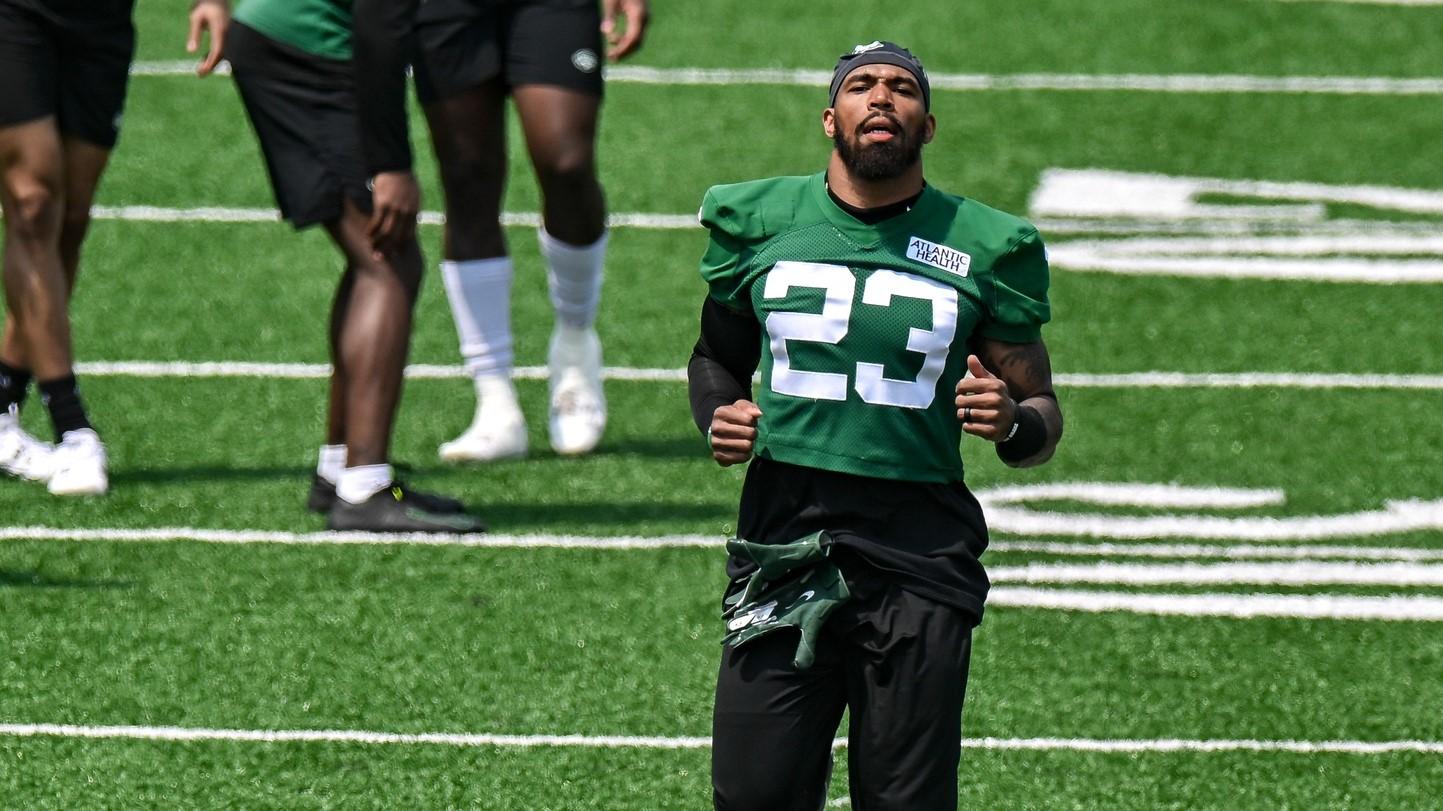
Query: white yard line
[
  {"x": 253, "y": 536},
  {"x": 311, "y": 371},
  {"x": 1299, "y": 573},
  {"x": 1370, "y": 229},
  {"x": 1234, "y": 606},
  {"x": 1120, "y": 745},
  {"x": 1394, "y": 518},
  {"x": 1373, "y": 2},
  {"x": 1137, "y": 82},
  {"x": 1190, "y": 551},
  {"x": 1063, "y": 549},
  {"x": 1161, "y": 380},
  {"x": 224, "y": 214}
]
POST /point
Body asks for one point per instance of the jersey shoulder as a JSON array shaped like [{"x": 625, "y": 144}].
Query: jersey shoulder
[
  {"x": 756, "y": 210},
  {"x": 992, "y": 231}
]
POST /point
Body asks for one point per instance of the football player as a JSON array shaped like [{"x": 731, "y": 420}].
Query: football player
[
  {"x": 64, "y": 65},
  {"x": 292, "y": 65},
  {"x": 546, "y": 55},
  {"x": 887, "y": 318}
]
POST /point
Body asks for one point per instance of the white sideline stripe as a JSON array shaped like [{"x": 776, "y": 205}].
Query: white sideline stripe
[
  {"x": 1135, "y": 494},
  {"x": 1373, "y": 2},
  {"x": 1193, "y": 551},
  {"x": 622, "y": 219},
  {"x": 1081, "y": 258},
  {"x": 1124, "y": 745},
  {"x": 1395, "y": 517},
  {"x": 1109, "y": 550},
  {"x": 641, "y": 219},
  {"x": 247, "y": 536},
  {"x": 1301, "y": 573},
  {"x": 1161, "y": 380},
  {"x": 1255, "y": 227},
  {"x": 1234, "y": 606},
  {"x": 309, "y": 371},
  {"x": 1159, "y": 83}
]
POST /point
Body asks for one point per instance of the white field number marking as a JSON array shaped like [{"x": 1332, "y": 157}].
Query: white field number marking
[
  {"x": 1282, "y": 231},
  {"x": 1005, "y": 516}
]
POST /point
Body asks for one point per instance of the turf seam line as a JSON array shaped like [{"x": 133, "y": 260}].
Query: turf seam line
[
  {"x": 1121, "y": 745},
  {"x": 1121, "y": 380},
  {"x": 1195, "y": 83}
]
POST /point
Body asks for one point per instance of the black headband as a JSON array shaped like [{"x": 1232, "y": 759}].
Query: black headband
[{"x": 879, "y": 53}]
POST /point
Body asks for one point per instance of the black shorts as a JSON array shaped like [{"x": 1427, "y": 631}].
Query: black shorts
[
  {"x": 303, "y": 108},
  {"x": 462, "y": 43},
  {"x": 67, "y": 60}
]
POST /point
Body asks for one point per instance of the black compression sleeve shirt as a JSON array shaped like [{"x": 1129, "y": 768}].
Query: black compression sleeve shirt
[{"x": 723, "y": 360}]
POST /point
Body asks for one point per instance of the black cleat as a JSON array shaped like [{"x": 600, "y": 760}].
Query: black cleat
[
  {"x": 397, "y": 509},
  {"x": 323, "y": 497}
]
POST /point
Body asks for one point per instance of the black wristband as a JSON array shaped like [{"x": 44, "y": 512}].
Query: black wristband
[{"x": 1029, "y": 438}]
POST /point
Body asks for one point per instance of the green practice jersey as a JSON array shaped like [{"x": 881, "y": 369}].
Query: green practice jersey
[
  {"x": 318, "y": 27},
  {"x": 866, "y": 327}
]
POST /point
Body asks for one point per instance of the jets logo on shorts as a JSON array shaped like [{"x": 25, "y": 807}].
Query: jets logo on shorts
[{"x": 585, "y": 60}]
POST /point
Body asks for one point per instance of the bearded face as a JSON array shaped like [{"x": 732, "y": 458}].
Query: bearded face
[
  {"x": 879, "y": 122},
  {"x": 880, "y": 147}
]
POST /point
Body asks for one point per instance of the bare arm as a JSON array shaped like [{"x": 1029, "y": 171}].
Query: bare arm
[
  {"x": 1009, "y": 400},
  {"x": 213, "y": 17}
]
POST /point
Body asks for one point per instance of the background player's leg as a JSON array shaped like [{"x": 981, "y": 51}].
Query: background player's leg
[
  {"x": 469, "y": 134},
  {"x": 560, "y": 126},
  {"x": 32, "y": 194},
  {"x": 374, "y": 338},
  {"x": 372, "y": 344},
  {"x": 21, "y": 454},
  {"x": 33, "y": 188},
  {"x": 332, "y": 457},
  {"x": 84, "y": 164}
]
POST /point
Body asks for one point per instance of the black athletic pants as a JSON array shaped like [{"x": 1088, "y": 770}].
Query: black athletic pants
[{"x": 897, "y": 661}]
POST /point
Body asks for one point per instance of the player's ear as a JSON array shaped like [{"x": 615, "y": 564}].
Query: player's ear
[
  {"x": 829, "y": 122},
  {"x": 929, "y": 130}
]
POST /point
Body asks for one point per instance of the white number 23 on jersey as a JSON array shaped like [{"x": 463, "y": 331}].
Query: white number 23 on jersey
[{"x": 831, "y": 324}]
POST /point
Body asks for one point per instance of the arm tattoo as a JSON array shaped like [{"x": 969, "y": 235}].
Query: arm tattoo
[{"x": 1025, "y": 367}]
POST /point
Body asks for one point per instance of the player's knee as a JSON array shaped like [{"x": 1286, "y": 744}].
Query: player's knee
[
  {"x": 567, "y": 169},
  {"x": 35, "y": 214}
]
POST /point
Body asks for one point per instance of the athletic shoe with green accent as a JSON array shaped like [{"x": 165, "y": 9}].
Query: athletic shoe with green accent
[
  {"x": 396, "y": 509},
  {"x": 323, "y": 497}
]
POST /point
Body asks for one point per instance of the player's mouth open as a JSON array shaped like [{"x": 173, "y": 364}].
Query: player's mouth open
[{"x": 879, "y": 128}]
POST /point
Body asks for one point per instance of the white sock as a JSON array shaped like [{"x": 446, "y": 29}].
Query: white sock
[
  {"x": 574, "y": 275},
  {"x": 331, "y": 462},
  {"x": 357, "y": 484},
  {"x": 480, "y": 294},
  {"x": 496, "y": 396}
]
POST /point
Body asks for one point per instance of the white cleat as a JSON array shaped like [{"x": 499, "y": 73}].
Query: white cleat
[
  {"x": 79, "y": 465},
  {"x": 498, "y": 430},
  {"x": 22, "y": 455},
  {"x": 578, "y": 404}
]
